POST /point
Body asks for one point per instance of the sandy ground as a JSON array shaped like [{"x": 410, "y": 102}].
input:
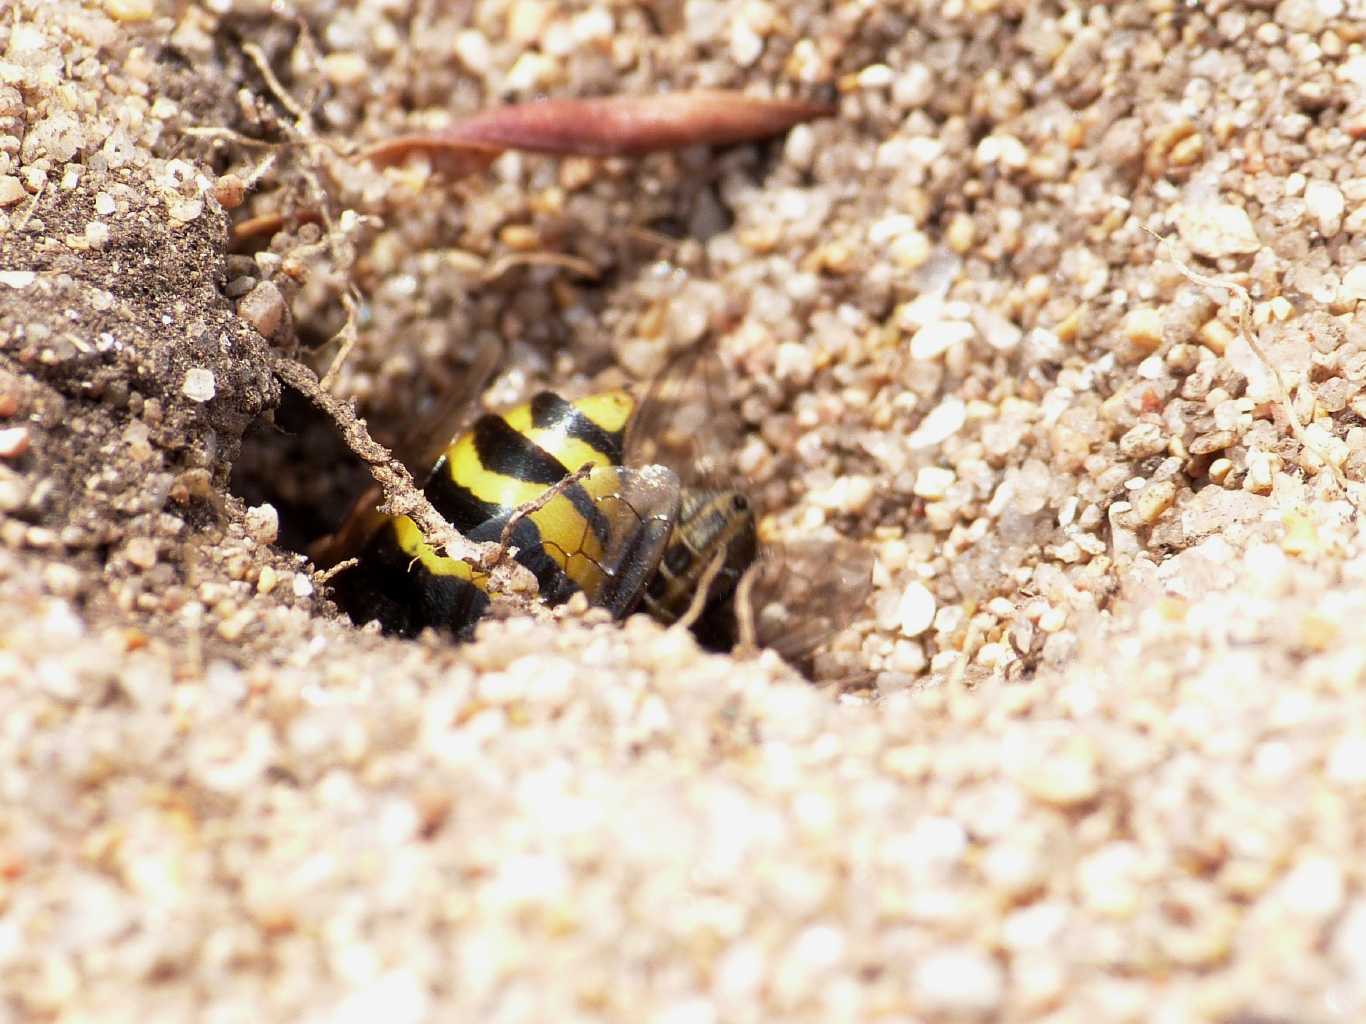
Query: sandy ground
[{"x": 1094, "y": 750}]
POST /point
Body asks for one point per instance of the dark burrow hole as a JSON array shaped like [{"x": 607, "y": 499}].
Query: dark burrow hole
[{"x": 296, "y": 461}]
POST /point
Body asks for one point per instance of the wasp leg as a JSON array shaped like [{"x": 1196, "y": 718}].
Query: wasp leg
[
  {"x": 698, "y": 604},
  {"x": 535, "y": 505},
  {"x": 746, "y": 642}
]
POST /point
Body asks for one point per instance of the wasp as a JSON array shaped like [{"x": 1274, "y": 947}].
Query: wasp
[{"x": 626, "y": 501}]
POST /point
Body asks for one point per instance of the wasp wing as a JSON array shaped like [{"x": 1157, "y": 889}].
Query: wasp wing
[
  {"x": 642, "y": 510},
  {"x": 428, "y": 436},
  {"x": 686, "y": 422},
  {"x": 803, "y": 593},
  {"x": 799, "y": 594}
]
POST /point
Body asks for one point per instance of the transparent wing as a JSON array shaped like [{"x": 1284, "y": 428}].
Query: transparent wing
[
  {"x": 423, "y": 441},
  {"x": 686, "y": 421},
  {"x": 642, "y": 509},
  {"x": 803, "y": 593},
  {"x": 418, "y": 448}
]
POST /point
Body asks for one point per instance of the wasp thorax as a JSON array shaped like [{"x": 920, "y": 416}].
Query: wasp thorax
[{"x": 713, "y": 538}]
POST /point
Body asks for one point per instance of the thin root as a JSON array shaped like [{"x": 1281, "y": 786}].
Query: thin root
[
  {"x": 229, "y": 135},
  {"x": 535, "y": 505},
  {"x": 574, "y": 264},
  {"x": 347, "y": 336},
  {"x": 325, "y": 575},
  {"x": 295, "y": 108}
]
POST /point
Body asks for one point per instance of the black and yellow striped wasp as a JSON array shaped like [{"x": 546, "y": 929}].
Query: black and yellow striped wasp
[
  {"x": 625, "y": 501},
  {"x": 628, "y": 502}
]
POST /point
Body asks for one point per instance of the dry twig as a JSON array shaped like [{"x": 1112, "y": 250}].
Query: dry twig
[{"x": 402, "y": 497}]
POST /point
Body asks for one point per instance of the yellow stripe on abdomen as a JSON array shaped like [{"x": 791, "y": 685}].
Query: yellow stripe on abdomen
[{"x": 412, "y": 543}]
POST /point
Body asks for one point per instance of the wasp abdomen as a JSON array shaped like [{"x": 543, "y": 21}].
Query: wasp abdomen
[{"x": 600, "y": 534}]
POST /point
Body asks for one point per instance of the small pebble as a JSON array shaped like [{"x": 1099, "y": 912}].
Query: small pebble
[
  {"x": 1261, "y": 472},
  {"x": 267, "y": 580},
  {"x": 1067, "y": 777},
  {"x": 130, "y": 11},
  {"x": 958, "y": 981},
  {"x": 1217, "y": 229},
  {"x": 17, "y": 279},
  {"x": 264, "y": 308},
  {"x": 199, "y": 385},
  {"x": 746, "y": 45},
  {"x": 939, "y": 336},
  {"x": 1111, "y": 881},
  {"x": 15, "y": 491},
  {"x": 1215, "y": 336},
  {"x": 138, "y": 436},
  {"x": 1143, "y": 328},
  {"x": 1347, "y": 760},
  {"x": 1017, "y": 869},
  {"x": 11, "y": 190},
  {"x": 185, "y": 210},
  {"x": 1151, "y": 502},
  {"x": 61, "y": 580},
  {"x": 1325, "y": 203},
  {"x": 471, "y": 48},
  {"x": 961, "y": 234},
  {"x": 940, "y": 424},
  {"x": 1309, "y": 16},
  {"x": 1354, "y": 283},
  {"x": 911, "y": 250},
  {"x": 915, "y": 611},
  {"x": 141, "y": 552},
  {"x": 933, "y": 482},
  {"x": 14, "y": 441},
  {"x": 230, "y": 191},
  {"x": 1313, "y": 888},
  {"x": 1142, "y": 441},
  {"x": 875, "y": 76},
  {"x": 1000, "y": 333},
  {"x": 263, "y": 524},
  {"x": 236, "y": 624},
  {"x": 345, "y": 69}
]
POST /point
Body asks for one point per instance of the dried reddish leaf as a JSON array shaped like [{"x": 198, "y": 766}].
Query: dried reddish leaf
[
  {"x": 607, "y": 126},
  {"x": 254, "y": 229}
]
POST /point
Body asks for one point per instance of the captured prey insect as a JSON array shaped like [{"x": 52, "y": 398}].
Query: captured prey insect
[
  {"x": 623, "y": 500},
  {"x": 788, "y": 596}
]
